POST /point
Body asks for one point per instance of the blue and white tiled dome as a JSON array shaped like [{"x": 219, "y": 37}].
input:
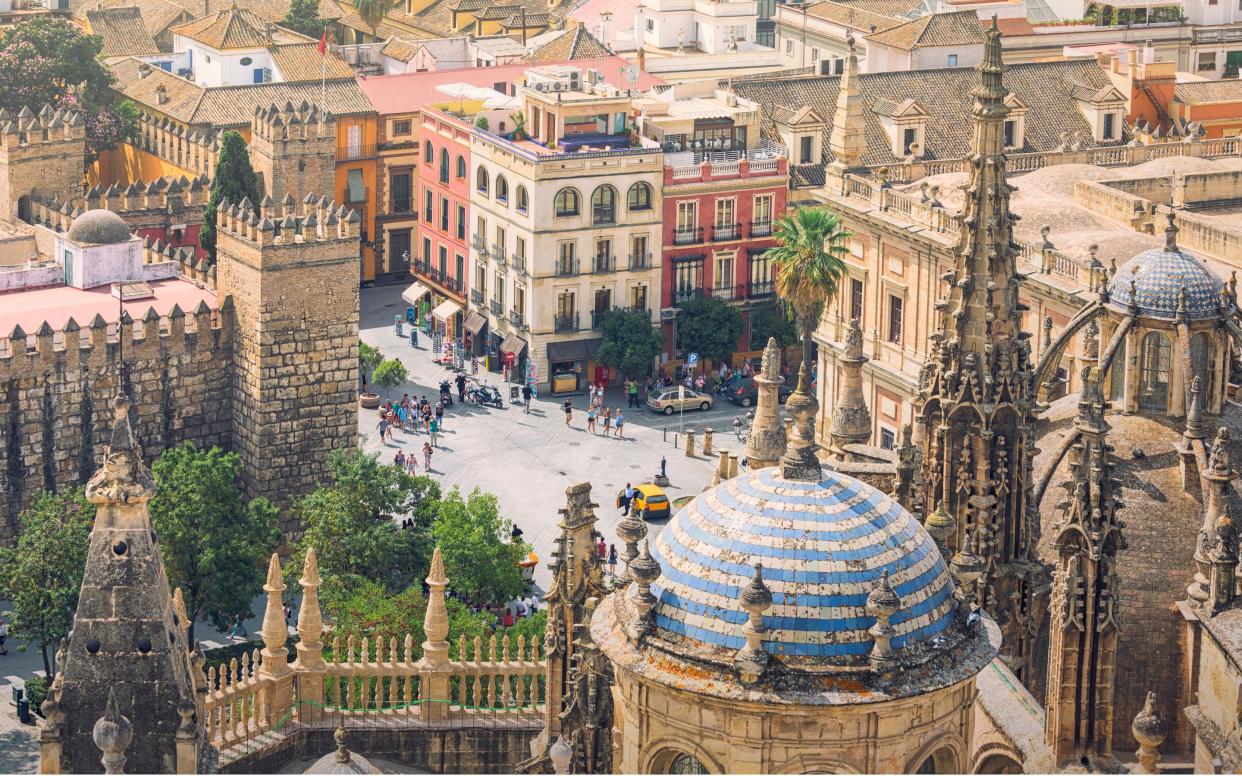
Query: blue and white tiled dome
[
  {"x": 1159, "y": 276},
  {"x": 823, "y": 546}
]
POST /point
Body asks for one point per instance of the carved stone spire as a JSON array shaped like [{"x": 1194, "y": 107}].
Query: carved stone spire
[
  {"x": 436, "y": 625},
  {"x": 1083, "y": 627},
  {"x": 1216, "y": 485},
  {"x": 851, "y": 420},
  {"x": 275, "y": 631},
  {"x": 882, "y": 604},
  {"x": 848, "y": 141},
  {"x": 766, "y": 442},
  {"x": 974, "y": 410},
  {"x": 800, "y": 461},
  {"x": 752, "y": 659},
  {"x": 310, "y": 619},
  {"x": 1149, "y": 729}
]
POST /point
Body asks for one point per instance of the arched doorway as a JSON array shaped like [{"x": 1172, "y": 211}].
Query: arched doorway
[
  {"x": 23, "y": 208},
  {"x": 999, "y": 763}
]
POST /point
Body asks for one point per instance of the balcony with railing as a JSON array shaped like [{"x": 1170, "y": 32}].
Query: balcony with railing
[
  {"x": 605, "y": 263},
  {"x": 683, "y": 295},
  {"x": 360, "y": 150},
  {"x": 479, "y": 244},
  {"x": 687, "y": 235},
  {"x": 727, "y": 293},
  {"x": 726, "y": 232},
  {"x": 640, "y": 260},
  {"x": 498, "y": 256},
  {"x": 517, "y": 319},
  {"x": 476, "y": 297},
  {"x": 760, "y": 288},
  {"x": 566, "y": 323},
  {"x": 497, "y": 308},
  {"x": 597, "y": 318},
  {"x": 518, "y": 262},
  {"x": 566, "y": 268},
  {"x": 761, "y": 228}
]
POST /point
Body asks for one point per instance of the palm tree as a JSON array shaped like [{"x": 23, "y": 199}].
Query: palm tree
[
  {"x": 373, "y": 12},
  {"x": 809, "y": 266}
]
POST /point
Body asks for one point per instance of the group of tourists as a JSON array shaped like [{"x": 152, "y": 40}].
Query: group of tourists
[{"x": 597, "y": 413}]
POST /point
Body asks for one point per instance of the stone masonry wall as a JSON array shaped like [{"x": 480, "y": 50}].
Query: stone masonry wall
[
  {"x": 42, "y": 154},
  {"x": 57, "y": 387},
  {"x": 295, "y": 361}
]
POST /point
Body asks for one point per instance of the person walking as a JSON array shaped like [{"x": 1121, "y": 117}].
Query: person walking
[
  {"x": 607, "y": 420},
  {"x": 440, "y": 414},
  {"x": 633, "y": 392},
  {"x": 619, "y": 422},
  {"x": 602, "y": 547},
  {"x": 591, "y": 418},
  {"x": 398, "y": 460},
  {"x": 568, "y": 407},
  {"x": 427, "y": 457},
  {"x": 625, "y": 498},
  {"x": 461, "y": 388},
  {"x": 411, "y": 464},
  {"x": 383, "y": 427},
  {"x": 526, "y": 397},
  {"x": 434, "y": 429},
  {"x": 612, "y": 559},
  {"x": 4, "y": 636},
  {"x": 239, "y": 629}
]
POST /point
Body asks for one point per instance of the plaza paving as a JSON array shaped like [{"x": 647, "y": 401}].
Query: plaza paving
[{"x": 527, "y": 461}]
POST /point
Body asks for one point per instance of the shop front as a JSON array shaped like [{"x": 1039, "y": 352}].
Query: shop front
[
  {"x": 416, "y": 296},
  {"x": 475, "y": 339},
  {"x": 513, "y": 357},
  {"x": 569, "y": 364}
]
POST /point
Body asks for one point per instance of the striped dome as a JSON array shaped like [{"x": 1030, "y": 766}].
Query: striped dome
[
  {"x": 823, "y": 547},
  {"x": 1159, "y": 276}
]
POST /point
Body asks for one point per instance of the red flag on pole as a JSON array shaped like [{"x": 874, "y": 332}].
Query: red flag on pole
[{"x": 323, "y": 42}]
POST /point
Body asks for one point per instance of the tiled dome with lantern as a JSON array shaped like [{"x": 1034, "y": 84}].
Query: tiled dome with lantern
[
  {"x": 1156, "y": 281},
  {"x": 823, "y": 546}
]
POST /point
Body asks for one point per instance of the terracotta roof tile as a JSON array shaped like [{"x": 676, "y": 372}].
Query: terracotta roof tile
[
  {"x": 955, "y": 28},
  {"x": 122, "y": 30},
  {"x": 576, "y": 43},
  {"x": 1200, "y": 92},
  {"x": 232, "y": 28},
  {"x": 852, "y": 16}
]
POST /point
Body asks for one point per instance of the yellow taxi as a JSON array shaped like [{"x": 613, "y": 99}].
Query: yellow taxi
[{"x": 650, "y": 501}]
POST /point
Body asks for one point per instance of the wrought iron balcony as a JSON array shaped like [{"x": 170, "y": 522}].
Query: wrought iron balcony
[
  {"x": 400, "y": 205},
  {"x": 761, "y": 228},
  {"x": 479, "y": 244},
  {"x": 597, "y": 318},
  {"x": 760, "y": 288},
  {"x": 687, "y": 235},
  {"x": 498, "y": 257},
  {"x": 476, "y": 297},
  {"x": 566, "y": 323},
  {"x": 605, "y": 263},
  {"x": 687, "y": 295},
  {"x": 566, "y": 267},
  {"x": 640, "y": 260},
  {"x": 726, "y": 232},
  {"x": 517, "y": 319},
  {"x": 497, "y": 307},
  {"x": 727, "y": 293},
  {"x": 518, "y": 262}
]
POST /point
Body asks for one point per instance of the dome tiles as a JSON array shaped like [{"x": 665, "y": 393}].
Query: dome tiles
[
  {"x": 823, "y": 545},
  {"x": 99, "y": 227},
  {"x": 1158, "y": 277}
]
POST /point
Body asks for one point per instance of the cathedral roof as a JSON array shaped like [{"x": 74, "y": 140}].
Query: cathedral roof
[
  {"x": 1156, "y": 278},
  {"x": 823, "y": 546}
]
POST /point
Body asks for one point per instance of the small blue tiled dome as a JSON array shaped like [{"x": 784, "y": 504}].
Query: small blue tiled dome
[
  {"x": 823, "y": 545},
  {"x": 1158, "y": 276}
]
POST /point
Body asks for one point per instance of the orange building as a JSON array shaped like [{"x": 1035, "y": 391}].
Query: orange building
[{"x": 1164, "y": 103}]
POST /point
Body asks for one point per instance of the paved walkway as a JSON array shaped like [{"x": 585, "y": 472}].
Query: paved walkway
[
  {"x": 527, "y": 461},
  {"x": 19, "y": 745}
]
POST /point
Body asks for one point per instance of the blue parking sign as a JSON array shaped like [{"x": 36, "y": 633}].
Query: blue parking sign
[{"x": 692, "y": 360}]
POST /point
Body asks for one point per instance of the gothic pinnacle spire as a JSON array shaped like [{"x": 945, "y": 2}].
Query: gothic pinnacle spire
[
  {"x": 766, "y": 442},
  {"x": 992, "y": 68},
  {"x": 1170, "y": 232}
]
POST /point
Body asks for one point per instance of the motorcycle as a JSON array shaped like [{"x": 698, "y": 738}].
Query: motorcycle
[
  {"x": 446, "y": 394},
  {"x": 485, "y": 395}
]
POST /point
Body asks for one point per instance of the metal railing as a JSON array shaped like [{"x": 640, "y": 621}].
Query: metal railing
[
  {"x": 400, "y": 205},
  {"x": 476, "y": 297},
  {"x": 597, "y": 318},
  {"x": 518, "y": 262},
  {"x": 759, "y": 288},
  {"x": 479, "y": 244},
  {"x": 496, "y": 307},
  {"x": 517, "y": 319},
  {"x": 760, "y": 228},
  {"x": 727, "y": 293},
  {"x": 640, "y": 260},
  {"x": 566, "y": 323},
  {"x": 566, "y": 267},
  {"x": 726, "y": 232},
  {"x": 688, "y": 235},
  {"x": 605, "y": 263},
  {"x": 687, "y": 295},
  {"x": 498, "y": 256},
  {"x": 602, "y": 216}
]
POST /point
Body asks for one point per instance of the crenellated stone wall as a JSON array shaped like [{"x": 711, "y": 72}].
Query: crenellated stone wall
[{"x": 57, "y": 387}]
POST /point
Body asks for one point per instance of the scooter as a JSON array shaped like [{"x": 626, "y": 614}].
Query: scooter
[
  {"x": 485, "y": 395},
  {"x": 446, "y": 394}
]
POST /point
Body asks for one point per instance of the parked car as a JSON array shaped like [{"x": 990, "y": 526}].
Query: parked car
[
  {"x": 669, "y": 400},
  {"x": 744, "y": 392},
  {"x": 650, "y": 501}
]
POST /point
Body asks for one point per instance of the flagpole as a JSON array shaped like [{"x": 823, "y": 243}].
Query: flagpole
[{"x": 323, "y": 73}]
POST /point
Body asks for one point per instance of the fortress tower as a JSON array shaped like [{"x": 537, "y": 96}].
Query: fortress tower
[
  {"x": 293, "y": 279},
  {"x": 39, "y": 153},
  {"x": 293, "y": 149}
]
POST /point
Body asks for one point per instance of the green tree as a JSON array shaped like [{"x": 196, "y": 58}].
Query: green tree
[
  {"x": 43, "y": 570},
  {"x": 213, "y": 542},
  {"x": 373, "y": 12},
  {"x": 233, "y": 180},
  {"x": 809, "y": 266},
  {"x": 369, "y": 357},
  {"x": 631, "y": 343},
  {"x": 351, "y": 521},
  {"x": 50, "y": 61},
  {"x": 709, "y": 327},
  {"x": 369, "y": 610},
  {"x": 389, "y": 375},
  {"x": 480, "y": 558},
  {"x": 772, "y": 320},
  {"x": 304, "y": 17}
]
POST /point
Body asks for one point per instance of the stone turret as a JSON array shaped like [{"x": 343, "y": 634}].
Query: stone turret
[
  {"x": 293, "y": 149},
  {"x": 851, "y": 420},
  {"x": 40, "y": 155},
  {"x": 765, "y": 444},
  {"x": 128, "y": 638}
]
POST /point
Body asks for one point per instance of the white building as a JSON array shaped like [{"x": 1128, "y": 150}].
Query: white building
[
  {"x": 708, "y": 26},
  {"x": 566, "y": 226}
]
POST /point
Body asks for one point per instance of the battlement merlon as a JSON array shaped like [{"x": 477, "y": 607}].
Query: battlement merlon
[
  {"x": 274, "y": 236},
  {"x": 306, "y": 122},
  {"x": 29, "y": 129}
]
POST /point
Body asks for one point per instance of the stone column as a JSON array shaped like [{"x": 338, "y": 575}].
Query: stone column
[
  {"x": 310, "y": 666},
  {"x": 433, "y": 666},
  {"x": 766, "y": 441},
  {"x": 689, "y": 443},
  {"x": 275, "y": 668},
  {"x": 707, "y": 442},
  {"x": 851, "y": 420}
]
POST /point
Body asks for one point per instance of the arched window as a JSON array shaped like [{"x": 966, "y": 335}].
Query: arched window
[
  {"x": 461, "y": 166},
  {"x": 1155, "y": 360},
  {"x": 429, "y": 153},
  {"x": 480, "y": 180},
  {"x": 568, "y": 202},
  {"x": 502, "y": 189},
  {"x": 444, "y": 165},
  {"x": 604, "y": 205},
  {"x": 523, "y": 199},
  {"x": 640, "y": 196},
  {"x": 1201, "y": 366},
  {"x": 1117, "y": 374},
  {"x": 686, "y": 763}
]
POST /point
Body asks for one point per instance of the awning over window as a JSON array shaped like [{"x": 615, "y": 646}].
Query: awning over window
[
  {"x": 445, "y": 310},
  {"x": 574, "y": 350},
  {"x": 415, "y": 292},
  {"x": 475, "y": 322},
  {"x": 512, "y": 344}
]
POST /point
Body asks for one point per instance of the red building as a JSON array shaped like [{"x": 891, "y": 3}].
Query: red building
[{"x": 718, "y": 220}]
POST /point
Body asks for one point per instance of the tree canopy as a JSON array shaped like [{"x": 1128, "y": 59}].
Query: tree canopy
[
  {"x": 43, "y": 570},
  {"x": 389, "y": 374},
  {"x": 47, "y": 60},
  {"x": 480, "y": 558},
  {"x": 810, "y": 262},
  {"x": 213, "y": 542},
  {"x": 304, "y": 17},
  {"x": 373, "y": 12},
  {"x": 772, "y": 320},
  {"x": 709, "y": 327},
  {"x": 631, "y": 344},
  {"x": 233, "y": 180}
]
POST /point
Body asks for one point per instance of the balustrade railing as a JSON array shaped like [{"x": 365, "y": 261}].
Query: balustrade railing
[
  {"x": 640, "y": 260},
  {"x": 566, "y": 323},
  {"x": 726, "y": 232},
  {"x": 476, "y": 297},
  {"x": 496, "y": 307},
  {"x": 518, "y": 262},
  {"x": 687, "y": 235},
  {"x": 761, "y": 228}
]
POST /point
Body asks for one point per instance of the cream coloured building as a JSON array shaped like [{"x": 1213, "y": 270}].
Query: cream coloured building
[{"x": 566, "y": 226}]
